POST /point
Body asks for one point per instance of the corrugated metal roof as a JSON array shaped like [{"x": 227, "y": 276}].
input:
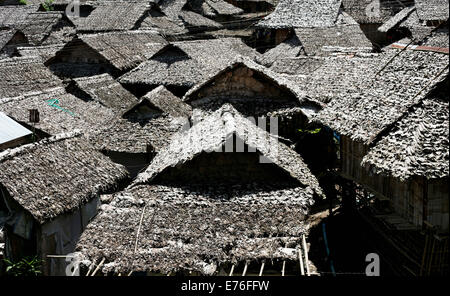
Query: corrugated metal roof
[{"x": 11, "y": 130}]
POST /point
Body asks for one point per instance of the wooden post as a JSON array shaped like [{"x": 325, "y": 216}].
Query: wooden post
[
  {"x": 139, "y": 229},
  {"x": 232, "y": 270},
  {"x": 98, "y": 267},
  {"x": 245, "y": 269},
  {"x": 431, "y": 256},
  {"x": 284, "y": 266},
  {"x": 306, "y": 255},
  {"x": 422, "y": 266},
  {"x": 300, "y": 259},
  {"x": 262, "y": 268},
  {"x": 91, "y": 267}
]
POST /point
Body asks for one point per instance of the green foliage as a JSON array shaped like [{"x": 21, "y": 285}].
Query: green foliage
[
  {"x": 312, "y": 132},
  {"x": 48, "y": 5},
  {"x": 27, "y": 266},
  {"x": 23, "y": 2}
]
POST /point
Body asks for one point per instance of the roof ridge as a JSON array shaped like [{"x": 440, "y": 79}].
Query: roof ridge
[
  {"x": 11, "y": 153},
  {"x": 33, "y": 94}
]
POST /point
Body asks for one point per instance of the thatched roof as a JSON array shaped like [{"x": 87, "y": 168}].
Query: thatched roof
[
  {"x": 163, "y": 24},
  {"x": 397, "y": 19},
  {"x": 410, "y": 21},
  {"x": 290, "y": 88},
  {"x": 302, "y": 13},
  {"x": 105, "y": 90},
  {"x": 166, "y": 102},
  {"x": 290, "y": 48},
  {"x": 202, "y": 7},
  {"x": 323, "y": 79},
  {"x": 172, "y": 8},
  {"x": 421, "y": 33},
  {"x": 342, "y": 34},
  {"x": 7, "y": 36},
  {"x": 19, "y": 76},
  {"x": 346, "y": 37},
  {"x": 114, "y": 16},
  {"x": 418, "y": 144},
  {"x": 173, "y": 17},
  {"x": 193, "y": 21},
  {"x": 373, "y": 11},
  {"x": 403, "y": 82},
  {"x": 124, "y": 50},
  {"x": 187, "y": 62},
  {"x": 39, "y": 27},
  {"x": 165, "y": 229},
  {"x": 11, "y": 16},
  {"x": 43, "y": 52},
  {"x": 122, "y": 135},
  {"x": 222, "y": 7},
  {"x": 211, "y": 134},
  {"x": 57, "y": 175},
  {"x": 59, "y": 112},
  {"x": 438, "y": 38},
  {"x": 432, "y": 10}
]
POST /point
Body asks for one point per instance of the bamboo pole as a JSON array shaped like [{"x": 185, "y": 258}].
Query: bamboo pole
[
  {"x": 424, "y": 255},
  {"x": 139, "y": 229},
  {"x": 300, "y": 259},
  {"x": 98, "y": 266},
  {"x": 284, "y": 266},
  {"x": 431, "y": 257},
  {"x": 305, "y": 247},
  {"x": 91, "y": 267},
  {"x": 232, "y": 270},
  {"x": 262, "y": 268},
  {"x": 245, "y": 269}
]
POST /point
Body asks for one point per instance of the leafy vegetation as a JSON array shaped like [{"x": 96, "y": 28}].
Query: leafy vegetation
[
  {"x": 48, "y": 5},
  {"x": 27, "y": 266},
  {"x": 23, "y": 2},
  {"x": 314, "y": 131}
]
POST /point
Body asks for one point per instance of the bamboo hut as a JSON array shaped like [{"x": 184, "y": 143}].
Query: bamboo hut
[
  {"x": 197, "y": 227},
  {"x": 49, "y": 193},
  {"x": 391, "y": 146}
]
